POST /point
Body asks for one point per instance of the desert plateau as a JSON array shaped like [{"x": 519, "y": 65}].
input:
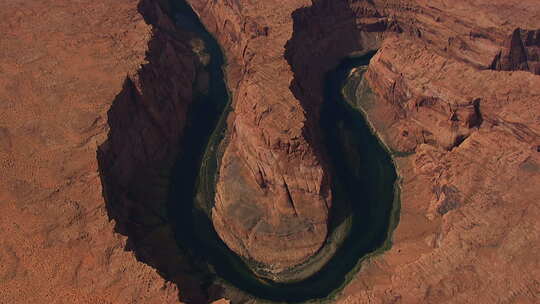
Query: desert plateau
[{"x": 244, "y": 151}]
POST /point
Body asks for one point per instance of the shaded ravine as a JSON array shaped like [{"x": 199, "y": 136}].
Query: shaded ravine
[
  {"x": 174, "y": 111},
  {"x": 364, "y": 177}
]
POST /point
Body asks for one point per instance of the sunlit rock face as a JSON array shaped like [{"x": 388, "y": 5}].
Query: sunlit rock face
[{"x": 273, "y": 197}]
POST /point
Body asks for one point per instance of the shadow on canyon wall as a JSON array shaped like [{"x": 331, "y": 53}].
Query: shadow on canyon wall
[
  {"x": 149, "y": 116},
  {"x": 147, "y": 121},
  {"x": 324, "y": 34},
  {"x": 520, "y": 52}
]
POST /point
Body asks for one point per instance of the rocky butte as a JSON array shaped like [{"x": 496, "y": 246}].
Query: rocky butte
[{"x": 95, "y": 100}]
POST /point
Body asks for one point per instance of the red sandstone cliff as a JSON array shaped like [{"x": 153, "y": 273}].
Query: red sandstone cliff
[
  {"x": 62, "y": 65},
  {"x": 469, "y": 191},
  {"x": 521, "y": 52},
  {"x": 273, "y": 191},
  {"x": 469, "y": 211}
]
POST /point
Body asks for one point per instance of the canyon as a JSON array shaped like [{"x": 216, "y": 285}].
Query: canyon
[{"x": 95, "y": 105}]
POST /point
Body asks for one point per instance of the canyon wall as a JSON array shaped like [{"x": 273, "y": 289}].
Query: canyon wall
[
  {"x": 521, "y": 52},
  {"x": 272, "y": 191},
  {"x": 62, "y": 63},
  {"x": 453, "y": 86},
  {"x": 468, "y": 214},
  {"x": 94, "y": 112},
  {"x": 471, "y": 134},
  {"x": 147, "y": 122}
]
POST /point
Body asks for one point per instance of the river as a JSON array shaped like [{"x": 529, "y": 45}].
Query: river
[{"x": 364, "y": 184}]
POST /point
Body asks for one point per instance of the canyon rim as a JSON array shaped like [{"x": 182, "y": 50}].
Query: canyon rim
[{"x": 95, "y": 98}]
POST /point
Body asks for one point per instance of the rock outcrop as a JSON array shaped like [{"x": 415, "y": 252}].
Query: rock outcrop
[
  {"x": 147, "y": 122},
  {"x": 61, "y": 65},
  {"x": 433, "y": 98},
  {"x": 521, "y": 52},
  {"x": 274, "y": 186},
  {"x": 468, "y": 210},
  {"x": 448, "y": 88},
  {"x": 92, "y": 229},
  {"x": 273, "y": 197}
]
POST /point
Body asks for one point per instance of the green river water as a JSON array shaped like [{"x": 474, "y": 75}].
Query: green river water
[{"x": 364, "y": 182}]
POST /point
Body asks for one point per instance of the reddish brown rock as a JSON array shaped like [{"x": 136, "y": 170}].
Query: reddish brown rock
[
  {"x": 273, "y": 196},
  {"x": 521, "y": 52},
  {"x": 468, "y": 229},
  {"x": 468, "y": 208},
  {"x": 432, "y": 96},
  {"x": 61, "y": 65},
  {"x": 282, "y": 197}
]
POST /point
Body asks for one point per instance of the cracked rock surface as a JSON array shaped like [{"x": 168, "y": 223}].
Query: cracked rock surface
[{"x": 455, "y": 84}]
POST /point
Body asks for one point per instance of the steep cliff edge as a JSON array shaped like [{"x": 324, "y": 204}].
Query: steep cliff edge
[
  {"x": 469, "y": 137},
  {"x": 270, "y": 176},
  {"x": 521, "y": 52},
  {"x": 148, "y": 120},
  {"x": 273, "y": 175},
  {"x": 468, "y": 192},
  {"x": 62, "y": 63},
  {"x": 472, "y": 133}
]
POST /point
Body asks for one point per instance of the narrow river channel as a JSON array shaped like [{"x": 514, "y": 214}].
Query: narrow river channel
[{"x": 364, "y": 179}]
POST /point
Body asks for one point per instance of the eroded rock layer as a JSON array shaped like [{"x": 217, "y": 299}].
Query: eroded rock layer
[
  {"x": 453, "y": 83},
  {"x": 433, "y": 96},
  {"x": 62, "y": 63},
  {"x": 273, "y": 198},
  {"x": 521, "y": 52},
  {"x": 273, "y": 195}
]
